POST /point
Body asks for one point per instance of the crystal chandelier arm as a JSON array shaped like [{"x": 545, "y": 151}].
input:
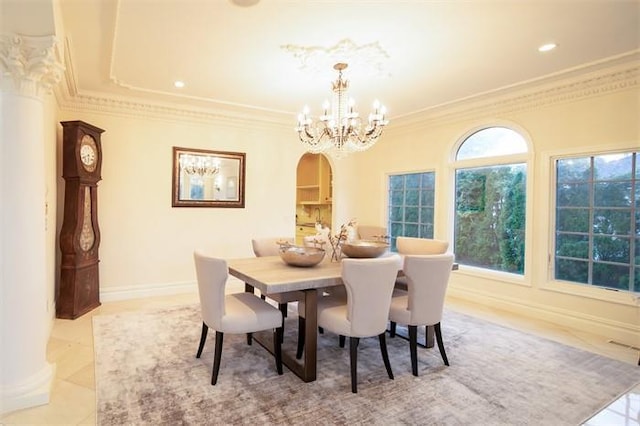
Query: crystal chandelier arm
[{"x": 339, "y": 128}]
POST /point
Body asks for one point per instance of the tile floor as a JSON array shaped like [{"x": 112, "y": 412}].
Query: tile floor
[{"x": 70, "y": 348}]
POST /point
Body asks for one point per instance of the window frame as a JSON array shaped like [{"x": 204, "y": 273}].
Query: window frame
[
  {"x": 388, "y": 200},
  {"x": 525, "y": 158},
  {"x": 569, "y": 287}
]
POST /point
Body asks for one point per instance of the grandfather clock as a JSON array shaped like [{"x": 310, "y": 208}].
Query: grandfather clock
[{"x": 79, "y": 290}]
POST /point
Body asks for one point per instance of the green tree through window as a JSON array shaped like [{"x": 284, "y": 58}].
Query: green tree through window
[
  {"x": 490, "y": 214},
  {"x": 597, "y": 227}
]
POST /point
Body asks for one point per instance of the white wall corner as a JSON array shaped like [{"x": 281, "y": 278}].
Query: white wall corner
[{"x": 30, "y": 393}]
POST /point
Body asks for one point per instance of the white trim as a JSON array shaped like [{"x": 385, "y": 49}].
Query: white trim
[
  {"x": 33, "y": 391},
  {"x": 614, "y": 330},
  {"x": 490, "y": 274},
  {"x": 611, "y": 295},
  {"x": 112, "y": 294}
]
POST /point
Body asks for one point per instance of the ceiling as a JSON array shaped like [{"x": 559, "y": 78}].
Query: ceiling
[{"x": 412, "y": 55}]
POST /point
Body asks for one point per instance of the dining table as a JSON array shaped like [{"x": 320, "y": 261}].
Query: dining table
[{"x": 270, "y": 274}]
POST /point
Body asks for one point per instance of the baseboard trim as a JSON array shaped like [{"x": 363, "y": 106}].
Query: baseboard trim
[
  {"x": 32, "y": 392},
  {"x": 621, "y": 332},
  {"x": 114, "y": 294}
]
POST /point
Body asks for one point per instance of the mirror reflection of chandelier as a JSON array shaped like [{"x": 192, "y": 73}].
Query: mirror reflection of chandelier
[
  {"x": 200, "y": 165},
  {"x": 340, "y": 129}
]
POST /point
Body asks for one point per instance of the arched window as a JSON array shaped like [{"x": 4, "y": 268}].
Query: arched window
[{"x": 490, "y": 200}]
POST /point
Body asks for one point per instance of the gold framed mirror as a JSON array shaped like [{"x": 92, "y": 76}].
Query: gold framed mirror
[{"x": 203, "y": 178}]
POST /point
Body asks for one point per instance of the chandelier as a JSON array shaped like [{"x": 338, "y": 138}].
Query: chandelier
[
  {"x": 339, "y": 130},
  {"x": 199, "y": 165}
]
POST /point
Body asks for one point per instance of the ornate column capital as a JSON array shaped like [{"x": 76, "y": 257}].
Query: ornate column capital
[{"x": 31, "y": 66}]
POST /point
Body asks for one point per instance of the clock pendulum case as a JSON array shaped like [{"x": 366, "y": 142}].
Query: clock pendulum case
[{"x": 79, "y": 289}]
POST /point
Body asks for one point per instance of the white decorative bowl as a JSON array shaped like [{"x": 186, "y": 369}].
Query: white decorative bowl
[
  {"x": 301, "y": 256},
  {"x": 364, "y": 248}
]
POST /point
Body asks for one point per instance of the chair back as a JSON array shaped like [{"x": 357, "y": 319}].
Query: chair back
[
  {"x": 412, "y": 245},
  {"x": 370, "y": 232},
  {"x": 369, "y": 284},
  {"x": 212, "y": 274},
  {"x": 268, "y": 246},
  {"x": 427, "y": 280}
]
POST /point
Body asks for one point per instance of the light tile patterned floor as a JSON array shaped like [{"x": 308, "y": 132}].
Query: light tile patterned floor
[{"x": 70, "y": 348}]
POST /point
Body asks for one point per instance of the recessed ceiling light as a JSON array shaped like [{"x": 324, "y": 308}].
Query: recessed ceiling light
[
  {"x": 245, "y": 3},
  {"x": 547, "y": 47},
  {"x": 179, "y": 84}
]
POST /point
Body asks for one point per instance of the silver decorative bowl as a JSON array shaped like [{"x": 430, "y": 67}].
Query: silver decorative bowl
[
  {"x": 301, "y": 256},
  {"x": 364, "y": 248}
]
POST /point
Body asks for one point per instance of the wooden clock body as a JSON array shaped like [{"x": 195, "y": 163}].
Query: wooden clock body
[{"x": 79, "y": 290}]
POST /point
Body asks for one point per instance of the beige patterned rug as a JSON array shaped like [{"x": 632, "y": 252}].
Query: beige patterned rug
[{"x": 147, "y": 373}]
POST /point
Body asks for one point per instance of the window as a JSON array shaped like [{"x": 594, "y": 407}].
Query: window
[
  {"x": 490, "y": 200},
  {"x": 597, "y": 227},
  {"x": 411, "y": 200}
]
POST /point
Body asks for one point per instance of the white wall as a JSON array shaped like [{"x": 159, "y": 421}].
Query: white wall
[
  {"x": 147, "y": 245},
  {"x": 588, "y": 123}
]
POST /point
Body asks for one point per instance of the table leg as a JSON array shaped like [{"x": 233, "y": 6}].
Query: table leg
[
  {"x": 307, "y": 369},
  {"x": 311, "y": 335}
]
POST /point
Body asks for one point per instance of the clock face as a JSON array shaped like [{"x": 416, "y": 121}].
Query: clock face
[{"x": 88, "y": 153}]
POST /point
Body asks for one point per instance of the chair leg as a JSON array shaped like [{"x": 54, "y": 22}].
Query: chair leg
[
  {"x": 341, "y": 340},
  {"x": 385, "y": 354},
  {"x": 353, "y": 349},
  {"x": 413, "y": 348},
  {"x": 277, "y": 348},
  {"x": 438, "y": 332},
  {"x": 203, "y": 338},
  {"x": 216, "y": 357},
  {"x": 392, "y": 329},
  {"x": 320, "y": 330},
  {"x": 301, "y": 336},
  {"x": 249, "y": 338}
]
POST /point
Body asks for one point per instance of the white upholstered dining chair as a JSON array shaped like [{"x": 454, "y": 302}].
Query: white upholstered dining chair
[
  {"x": 270, "y": 247},
  {"x": 413, "y": 245},
  {"x": 371, "y": 232},
  {"x": 236, "y": 313},
  {"x": 369, "y": 285},
  {"x": 420, "y": 246},
  {"x": 422, "y": 304}
]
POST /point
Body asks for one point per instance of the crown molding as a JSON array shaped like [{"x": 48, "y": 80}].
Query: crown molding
[
  {"x": 597, "y": 79},
  {"x": 131, "y": 107}
]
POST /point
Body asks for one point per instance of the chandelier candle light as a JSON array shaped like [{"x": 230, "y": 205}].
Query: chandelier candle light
[
  {"x": 200, "y": 165},
  {"x": 339, "y": 130}
]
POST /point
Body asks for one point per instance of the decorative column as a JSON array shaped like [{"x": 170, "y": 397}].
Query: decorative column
[{"x": 30, "y": 66}]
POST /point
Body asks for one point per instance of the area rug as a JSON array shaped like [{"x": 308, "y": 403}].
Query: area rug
[{"x": 147, "y": 373}]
